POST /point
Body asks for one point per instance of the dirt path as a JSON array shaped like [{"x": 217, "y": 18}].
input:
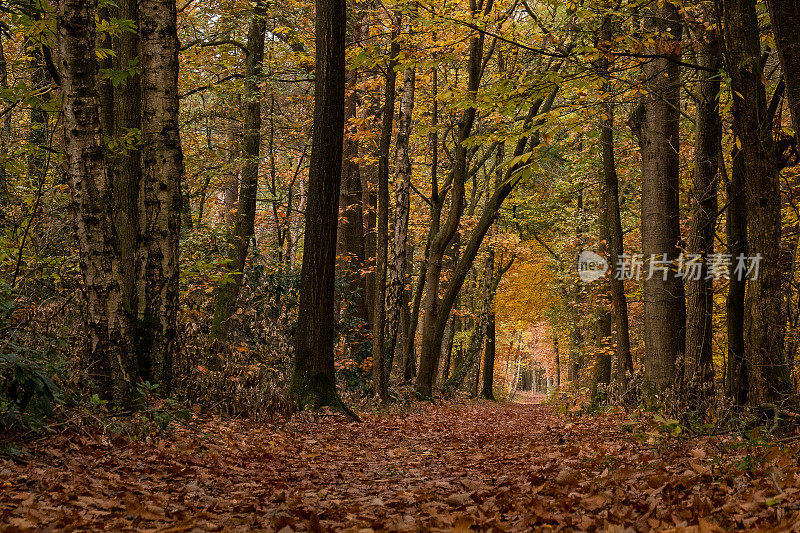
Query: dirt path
[{"x": 445, "y": 467}]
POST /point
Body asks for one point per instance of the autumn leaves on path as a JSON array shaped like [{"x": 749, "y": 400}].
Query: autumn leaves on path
[{"x": 478, "y": 466}]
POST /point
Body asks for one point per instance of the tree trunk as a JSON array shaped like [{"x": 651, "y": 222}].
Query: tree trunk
[
  {"x": 604, "y": 321},
  {"x": 38, "y": 124},
  {"x": 230, "y": 187},
  {"x": 736, "y": 231},
  {"x": 410, "y": 351},
  {"x": 432, "y": 336},
  {"x": 160, "y": 192},
  {"x": 767, "y": 374},
  {"x": 433, "y": 323},
  {"x": 126, "y": 116},
  {"x": 488, "y": 327},
  {"x": 612, "y": 219},
  {"x": 108, "y": 325},
  {"x": 658, "y": 132},
  {"x": 351, "y": 231},
  {"x": 397, "y": 272},
  {"x": 557, "y": 360},
  {"x": 380, "y": 346},
  {"x": 576, "y": 335},
  {"x": 5, "y": 131},
  {"x": 785, "y": 17},
  {"x": 244, "y": 225},
  {"x": 433, "y": 139},
  {"x": 699, "y": 369},
  {"x": 313, "y": 377}
]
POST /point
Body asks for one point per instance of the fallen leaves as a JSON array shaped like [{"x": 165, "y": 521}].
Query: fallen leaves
[{"x": 479, "y": 466}]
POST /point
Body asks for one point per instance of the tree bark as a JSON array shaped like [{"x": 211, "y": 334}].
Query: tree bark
[
  {"x": 397, "y": 272},
  {"x": 785, "y": 17},
  {"x": 380, "y": 346},
  {"x": 433, "y": 139},
  {"x": 767, "y": 373},
  {"x": 612, "y": 219},
  {"x": 109, "y": 328},
  {"x": 736, "y": 231},
  {"x": 576, "y": 335},
  {"x": 658, "y": 133},
  {"x": 244, "y": 225},
  {"x": 351, "y": 231},
  {"x": 160, "y": 192},
  {"x": 5, "y": 130},
  {"x": 126, "y": 117},
  {"x": 433, "y": 323},
  {"x": 313, "y": 377},
  {"x": 699, "y": 366}
]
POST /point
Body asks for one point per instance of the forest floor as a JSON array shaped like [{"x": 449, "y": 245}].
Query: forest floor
[{"x": 432, "y": 467}]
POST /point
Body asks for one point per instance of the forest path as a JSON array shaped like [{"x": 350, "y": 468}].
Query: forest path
[{"x": 442, "y": 467}]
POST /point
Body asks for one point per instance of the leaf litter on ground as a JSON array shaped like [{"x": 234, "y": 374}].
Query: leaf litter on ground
[{"x": 474, "y": 466}]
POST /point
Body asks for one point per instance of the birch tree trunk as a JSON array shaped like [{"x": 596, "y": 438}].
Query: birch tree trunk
[
  {"x": 160, "y": 192},
  {"x": 380, "y": 347},
  {"x": 109, "y": 326},
  {"x": 397, "y": 268}
]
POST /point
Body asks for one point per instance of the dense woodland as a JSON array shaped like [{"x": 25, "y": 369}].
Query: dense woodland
[
  {"x": 235, "y": 210},
  {"x": 255, "y": 205}
]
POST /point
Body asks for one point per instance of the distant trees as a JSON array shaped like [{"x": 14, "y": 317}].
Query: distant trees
[{"x": 244, "y": 220}]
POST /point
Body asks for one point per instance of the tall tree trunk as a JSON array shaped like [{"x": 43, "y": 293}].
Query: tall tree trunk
[
  {"x": 488, "y": 327},
  {"x": 397, "y": 272},
  {"x": 557, "y": 360},
  {"x": 230, "y": 187},
  {"x": 401, "y": 347},
  {"x": 109, "y": 327},
  {"x": 613, "y": 221},
  {"x": 5, "y": 130},
  {"x": 576, "y": 335},
  {"x": 380, "y": 347},
  {"x": 313, "y": 377},
  {"x": 433, "y": 139},
  {"x": 126, "y": 113},
  {"x": 433, "y": 323},
  {"x": 160, "y": 192},
  {"x": 767, "y": 374},
  {"x": 487, "y": 389},
  {"x": 785, "y": 17},
  {"x": 736, "y": 231},
  {"x": 491, "y": 334},
  {"x": 699, "y": 369},
  {"x": 38, "y": 125},
  {"x": 244, "y": 225},
  {"x": 351, "y": 232},
  {"x": 658, "y": 132},
  {"x": 603, "y": 321}
]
